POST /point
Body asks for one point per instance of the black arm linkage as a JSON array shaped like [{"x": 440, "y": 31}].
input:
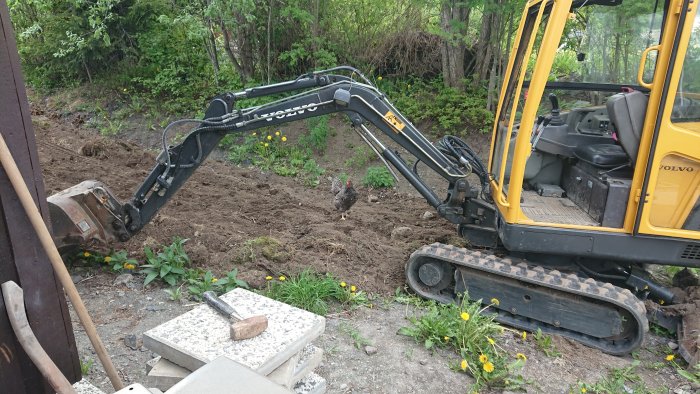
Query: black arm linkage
[{"x": 324, "y": 94}]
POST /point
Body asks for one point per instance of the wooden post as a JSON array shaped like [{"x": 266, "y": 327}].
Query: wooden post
[{"x": 22, "y": 258}]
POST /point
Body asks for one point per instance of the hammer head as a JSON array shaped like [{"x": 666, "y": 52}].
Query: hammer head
[{"x": 248, "y": 328}]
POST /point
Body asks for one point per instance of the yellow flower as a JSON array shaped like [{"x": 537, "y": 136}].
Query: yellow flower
[
  {"x": 268, "y": 277},
  {"x": 670, "y": 357},
  {"x": 282, "y": 278},
  {"x": 124, "y": 90},
  {"x": 353, "y": 288},
  {"x": 86, "y": 254},
  {"x": 464, "y": 316},
  {"x": 583, "y": 390},
  {"x": 524, "y": 335},
  {"x": 284, "y": 139},
  {"x": 483, "y": 358},
  {"x": 213, "y": 280},
  {"x": 266, "y": 145},
  {"x": 446, "y": 338},
  {"x": 379, "y": 78},
  {"x": 463, "y": 365},
  {"x": 491, "y": 341},
  {"x": 662, "y": 302},
  {"x": 277, "y": 133},
  {"x": 254, "y": 134},
  {"x": 488, "y": 367},
  {"x": 495, "y": 301},
  {"x": 409, "y": 85},
  {"x": 521, "y": 356},
  {"x": 129, "y": 266},
  {"x": 108, "y": 259},
  {"x": 269, "y": 137},
  {"x": 343, "y": 284}
]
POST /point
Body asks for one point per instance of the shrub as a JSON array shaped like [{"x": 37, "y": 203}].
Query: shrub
[{"x": 378, "y": 177}]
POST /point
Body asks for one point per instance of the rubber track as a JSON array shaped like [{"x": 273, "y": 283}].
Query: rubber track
[{"x": 537, "y": 275}]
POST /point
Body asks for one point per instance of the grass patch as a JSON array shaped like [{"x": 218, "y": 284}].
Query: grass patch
[
  {"x": 265, "y": 246},
  {"x": 317, "y": 138},
  {"x": 314, "y": 292},
  {"x": 378, "y": 177},
  {"x": 362, "y": 156},
  {"x": 472, "y": 334}
]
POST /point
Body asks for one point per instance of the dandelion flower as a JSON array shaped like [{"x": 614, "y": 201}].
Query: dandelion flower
[
  {"x": 583, "y": 390},
  {"x": 268, "y": 277},
  {"x": 409, "y": 85},
  {"x": 269, "y": 137},
  {"x": 495, "y": 301},
  {"x": 214, "y": 280},
  {"x": 464, "y": 316},
  {"x": 282, "y": 278},
  {"x": 266, "y": 145},
  {"x": 670, "y": 357},
  {"x": 277, "y": 133},
  {"x": 124, "y": 90},
  {"x": 284, "y": 139},
  {"x": 488, "y": 367},
  {"x": 662, "y": 302},
  {"x": 254, "y": 134},
  {"x": 86, "y": 254},
  {"x": 379, "y": 78},
  {"x": 521, "y": 356},
  {"x": 343, "y": 284},
  {"x": 129, "y": 266},
  {"x": 463, "y": 365},
  {"x": 491, "y": 341},
  {"x": 446, "y": 338},
  {"x": 524, "y": 335},
  {"x": 353, "y": 288},
  {"x": 108, "y": 259},
  {"x": 483, "y": 358}
]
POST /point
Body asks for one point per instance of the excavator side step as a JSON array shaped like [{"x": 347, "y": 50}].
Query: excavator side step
[{"x": 597, "y": 314}]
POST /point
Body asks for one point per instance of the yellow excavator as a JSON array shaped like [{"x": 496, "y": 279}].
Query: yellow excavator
[{"x": 592, "y": 176}]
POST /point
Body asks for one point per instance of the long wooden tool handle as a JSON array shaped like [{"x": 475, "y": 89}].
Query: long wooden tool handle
[
  {"x": 59, "y": 267},
  {"x": 14, "y": 303}
]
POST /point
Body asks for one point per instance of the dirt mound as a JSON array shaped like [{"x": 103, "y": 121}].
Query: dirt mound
[{"x": 225, "y": 211}]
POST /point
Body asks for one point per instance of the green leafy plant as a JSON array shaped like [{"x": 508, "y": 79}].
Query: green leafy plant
[
  {"x": 317, "y": 138},
  {"x": 358, "y": 340},
  {"x": 545, "y": 344},
  {"x": 174, "y": 293},
  {"x": 378, "y": 177},
  {"x": 472, "y": 334},
  {"x": 86, "y": 366},
  {"x": 167, "y": 265},
  {"x": 208, "y": 282},
  {"x": 362, "y": 156},
  {"x": 120, "y": 261},
  {"x": 618, "y": 380},
  {"x": 313, "y": 292}
]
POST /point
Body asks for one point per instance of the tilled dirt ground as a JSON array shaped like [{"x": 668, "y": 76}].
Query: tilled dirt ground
[{"x": 223, "y": 206}]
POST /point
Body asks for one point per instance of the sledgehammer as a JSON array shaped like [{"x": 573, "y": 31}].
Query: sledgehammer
[{"x": 240, "y": 328}]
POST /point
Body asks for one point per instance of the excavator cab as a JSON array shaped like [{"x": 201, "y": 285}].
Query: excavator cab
[{"x": 603, "y": 160}]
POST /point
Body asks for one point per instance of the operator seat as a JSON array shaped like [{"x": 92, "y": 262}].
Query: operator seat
[{"x": 626, "y": 111}]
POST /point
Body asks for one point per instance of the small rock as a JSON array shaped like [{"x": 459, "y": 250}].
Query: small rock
[
  {"x": 400, "y": 232},
  {"x": 197, "y": 233},
  {"x": 423, "y": 362},
  {"x": 372, "y": 198},
  {"x": 273, "y": 192},
  {"x": 132, "y": 342},
  {"x": 672, "y": 345},
  {"x": 76, "y": 279},
  {"x": 343, "y": 386},
  {"x": 120, "y": 294},
  {"x": 149, "y": 298},
  {"x": 123, "y": 280},
  {"x": 427, "y": 215},
  {"x": 370, "y": 350},
  {"x": 154, "y": 308}
]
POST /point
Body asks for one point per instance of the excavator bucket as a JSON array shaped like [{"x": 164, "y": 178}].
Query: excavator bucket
[{"x": 86, "y": 215}]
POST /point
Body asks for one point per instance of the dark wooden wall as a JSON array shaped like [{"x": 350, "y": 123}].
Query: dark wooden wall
[{"x": 21, "y": 257}]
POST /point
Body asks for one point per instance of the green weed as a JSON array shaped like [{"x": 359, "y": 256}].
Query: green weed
[
  {"x": 167, "y": 265},
  {"x": 378, "y": 177},
  {"x": 120, "y": 261},
  {"x": 174, "y": 293},
  {"x": 545, "y": 344},
  {"x": 317, "y": 138},
  {"x": 358, "y": 340},
  {"x": 361, "y": 157},
  {"x": 313, "y": 292},
  {"x": 618, "y": 380},
  {"x": 472, "y": 335},
  {"x": 208, "y": 282},
  {"x": 265, "y": 246},
  {"x": 86, "y": 366}
]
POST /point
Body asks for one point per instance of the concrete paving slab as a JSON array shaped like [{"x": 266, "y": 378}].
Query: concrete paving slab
[
  {"x": 311, "y": 384},
  {"x": 83, "y": 386},
  {"x": 165, "y": 374},
  {"x": 283, "y": 374},
  {"x": 309, "y": 359},
  {"x": 135, "y": 388},
  {"x": 225, "y": 376},
  {"x": 201, "y": 335}
]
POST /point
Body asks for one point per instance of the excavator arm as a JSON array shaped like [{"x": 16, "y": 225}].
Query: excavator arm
[{"x": 89, "y": 213}]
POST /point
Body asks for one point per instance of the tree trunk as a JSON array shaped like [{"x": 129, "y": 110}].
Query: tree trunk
[
  {"x": 269, "y": 41},
  {"x": 454, "y": 21},
  {"x": 488, "y": 41},
  {"x": 231, "y": 55}
]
